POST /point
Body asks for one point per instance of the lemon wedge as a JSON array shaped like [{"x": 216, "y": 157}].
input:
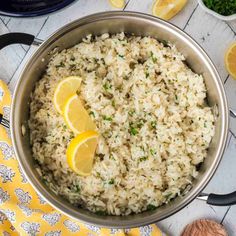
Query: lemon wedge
[
  {"x": 65, "y": 89},
  {"x": 80, "y": 152},
  {"x": 76, "y": 117},
  {"x": 230, "y": 60},
  {"x": 117, "y": 3},
  {"x": 166, "y": 9}
]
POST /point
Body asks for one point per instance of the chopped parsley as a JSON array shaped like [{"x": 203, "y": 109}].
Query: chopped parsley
[
  {"x": 112, "y": 181},
  {"x": 143, "y": 158},
  {"x": 107, "y": 118},
  {"x": 147, "y": 74},
  {"x": 164, "y": 42},
  {"x": 91, "y": 113},
  {"x": 121, "y": 56},
  {"x": 113, "y": 103},
  {"x": 153, "y": 124},
  {"x": 153, "y": 152},
  {"x": 77, "y": 189},
  {"x": 107, "y": 86},
  {"x": 64, "y": 127},
  {"x": 140, "y": 123},
  {"x": 131, "y": 112},
  {"x": 60, "y": 65},
  {"x": 133, "y": 131},
  {"x": 154, "y": 59},
  {"x": 101, "y": 213},
  {"x": 151, "y": 207}
]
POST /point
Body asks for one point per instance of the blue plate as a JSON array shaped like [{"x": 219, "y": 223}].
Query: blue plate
[{"x": 31, "y": 8}]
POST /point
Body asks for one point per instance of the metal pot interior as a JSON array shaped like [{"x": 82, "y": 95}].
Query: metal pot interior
[{"x": 115, "y": 22}]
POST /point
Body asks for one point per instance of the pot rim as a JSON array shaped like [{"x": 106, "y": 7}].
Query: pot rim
[{"x": 57, "y": 204}]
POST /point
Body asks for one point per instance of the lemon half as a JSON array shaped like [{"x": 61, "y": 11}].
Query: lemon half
[
  {"x": 166, "y": 9},
  {"x": 80, "y": 152},
  {"x": 230, "y": 60},
  {"x": 65, "y": 89}
]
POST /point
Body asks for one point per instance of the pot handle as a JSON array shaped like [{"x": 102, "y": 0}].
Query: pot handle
[
  {"x": 219, "y": 199},
  {"x": 15, "y": 38},
  {"x": 232, "y": 113}
]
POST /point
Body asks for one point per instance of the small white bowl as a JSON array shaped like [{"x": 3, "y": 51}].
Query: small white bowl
[{"x": 217, "y": 15}]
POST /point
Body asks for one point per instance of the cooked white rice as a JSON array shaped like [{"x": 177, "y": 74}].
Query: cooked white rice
[{"x": 150, "y": 110}]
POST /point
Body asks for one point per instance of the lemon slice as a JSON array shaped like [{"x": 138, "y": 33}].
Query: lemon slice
[
  {"x": 76, "y": 117},
  {"x": 230, "y": 60},
  {"x": 65, "y": 89},
  {"x": 80, "y": 152},
  {"x": 117, "y": 3},
  {"x": 166, "y": 9}
]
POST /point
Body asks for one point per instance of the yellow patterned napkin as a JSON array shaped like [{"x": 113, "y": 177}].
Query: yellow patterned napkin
[{"x": 24, "y": 212}]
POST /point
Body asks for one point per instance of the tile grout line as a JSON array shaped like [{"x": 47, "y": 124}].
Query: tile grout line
[
  {"x": 231, "y": 136},
  {"x": 27, "y": 51},
  {"x": 232, "y": 133},
  {"x": 230, "y": 28},
  {"x": 8, "y": 21},
  {"x": 126, "y": 4},
  {"x": 226, "y": 79},
  {"x": 227, "y": 211},
  {"x": 4, "y": 22},
  {"x": 190, "y": 16}
]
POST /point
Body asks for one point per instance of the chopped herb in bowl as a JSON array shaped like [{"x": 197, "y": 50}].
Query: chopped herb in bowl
[{"x": 225, "y": 8}]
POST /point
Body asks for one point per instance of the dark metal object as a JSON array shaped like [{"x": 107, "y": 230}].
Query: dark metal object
[
  {"x": 29, "y": 8},
  {"x": 4, "y": 122}
]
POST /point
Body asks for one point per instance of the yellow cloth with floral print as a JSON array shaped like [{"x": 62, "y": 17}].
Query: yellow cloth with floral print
[{"x": 24, "y": 212}]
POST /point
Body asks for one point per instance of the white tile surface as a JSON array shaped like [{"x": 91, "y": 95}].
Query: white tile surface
[
  {"x": 77, "y": 10},
  {"x": 10, "y": 57},
  {"x": 213, "y": 35},
  {"x": 229, "y": 221},
  {"x": 175, "y": 224}
]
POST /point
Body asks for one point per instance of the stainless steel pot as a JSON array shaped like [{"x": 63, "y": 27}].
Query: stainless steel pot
[{"x": 114, "y": 22}]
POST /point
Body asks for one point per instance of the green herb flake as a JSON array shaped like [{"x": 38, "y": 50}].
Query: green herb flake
[
  {"x": 205, "y": 125},
  {"x": 140, "y": 123},
  {"x": 112, "y": 181},
  {"x": 113, "y": 103},
  {"x": 107, "y": 86},
  {"x": 101, "y": 213},
  {"x": 151, "y": 207},
  {"x": 91, "y": 113},
  {"x": 143, "y": 158},
  {"x": 77, "y": 189},
  {"x": 133, "y": 131},
  {"x": 164, "y": 42},
  {"x": 153, "y": 124},
  {"x": 154, "y": 59},
  {"x": 60, "y": 65},
  {"x": 107, "y": 118},
  {"x": 131, "y": 112},
  {"x": 147, "y": 74},
  {"x": 153, "y": 152},
  {"x": 121, "y": 56}
]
